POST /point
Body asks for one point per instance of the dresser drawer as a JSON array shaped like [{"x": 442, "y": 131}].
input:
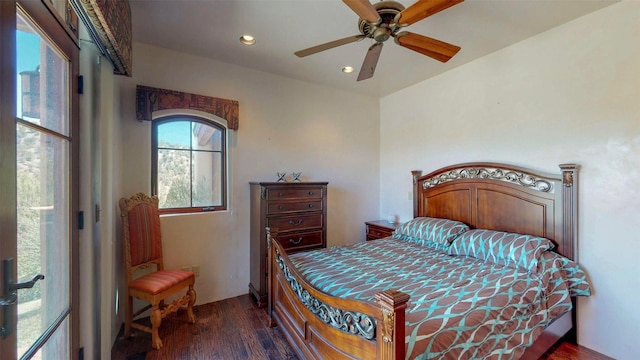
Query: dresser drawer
[
  {"x": 295, "y": 193},
  {"x": 285, "y": 207},
  {"x": 296, "y": 223},
  {"x": 301, "y": 240}
]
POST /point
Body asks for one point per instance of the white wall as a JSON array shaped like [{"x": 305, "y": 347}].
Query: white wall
[
  {"x": 285, "y": 125},
  {"x": 99, "y": 180},
  {"x": 89, "y": 314},
  {"x": 111, "y": 261},
  {"x": 571, "y": 94}
]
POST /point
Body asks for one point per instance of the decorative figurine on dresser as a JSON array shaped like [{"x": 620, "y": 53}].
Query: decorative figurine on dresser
[{"x": 298, "y": 210}]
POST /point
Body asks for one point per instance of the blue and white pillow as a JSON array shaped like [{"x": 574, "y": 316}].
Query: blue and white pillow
[
  {"x": 511, "y": 249},
  {"x": 435, "y": 233}
]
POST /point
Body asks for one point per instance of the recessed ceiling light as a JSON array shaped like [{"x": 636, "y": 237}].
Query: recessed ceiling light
[
  {"x": 247, "y": 39},
  {"x": 347, "y": 69}
]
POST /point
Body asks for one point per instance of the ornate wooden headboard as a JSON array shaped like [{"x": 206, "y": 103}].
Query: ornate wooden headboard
[{"x": 503, "y": 197}]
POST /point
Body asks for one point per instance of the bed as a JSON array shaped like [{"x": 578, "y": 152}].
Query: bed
[{"x": 329, "y": 318}]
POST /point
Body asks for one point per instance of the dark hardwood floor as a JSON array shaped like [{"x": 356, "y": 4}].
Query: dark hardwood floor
[
  {"x": 229, "y": 329},
  {"x": 567, "y": 351},
  {"x": 236, "y": 329}
]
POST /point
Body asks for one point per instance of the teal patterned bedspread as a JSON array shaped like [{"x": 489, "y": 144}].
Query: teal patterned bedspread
[{"x": 460, "y": 307}]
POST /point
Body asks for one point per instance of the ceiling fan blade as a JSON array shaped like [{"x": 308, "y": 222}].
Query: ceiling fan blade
[
  {"x": 364, "y": 10},
  {"x": 436, "y": 49},
  {"x": 370, "y": 61},
  {"x": 329, "y": 45},
  {"x": 421, "y": 9}
]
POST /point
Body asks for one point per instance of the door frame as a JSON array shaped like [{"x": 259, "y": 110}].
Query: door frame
[
  {"x": 51, "y": 23},
  {"x": 8, "y": 199}
]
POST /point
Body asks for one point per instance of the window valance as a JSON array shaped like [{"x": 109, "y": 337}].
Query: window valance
[
  {"x": 109, "y": 25},
  {"x": 149, "y": 99}
]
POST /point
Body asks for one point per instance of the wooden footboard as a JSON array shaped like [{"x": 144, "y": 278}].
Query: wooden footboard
[{"x": 320, "y": 326}]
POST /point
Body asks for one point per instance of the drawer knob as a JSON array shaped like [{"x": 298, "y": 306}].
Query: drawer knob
[
  {"x": 295, "y": 223},
  {"x": 280, "y": 207},
  {"x": 310, "y": 205},
  {"x": 280, "y": 194},
  {"x": 310, "y": 192},
  {"x": 295, "y": 242}
]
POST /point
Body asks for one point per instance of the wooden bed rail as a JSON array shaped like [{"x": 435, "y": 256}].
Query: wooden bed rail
[{"x": 331, "y": 326}]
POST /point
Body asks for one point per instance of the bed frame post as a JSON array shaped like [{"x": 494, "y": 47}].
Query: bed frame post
[
  {"x": 570, "y": 230},
  {"x": 392, "y": 337},
  {"x": 271, "y": 234},
  {"x": 415, "y": 174},
  {"x": 570, "y": 209}
]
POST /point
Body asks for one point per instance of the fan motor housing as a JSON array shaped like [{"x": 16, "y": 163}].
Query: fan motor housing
[{"x": 381, "y": 31}]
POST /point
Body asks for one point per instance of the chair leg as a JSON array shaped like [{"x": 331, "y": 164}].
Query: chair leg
[
  {"x": 128, "y": 314},
  {"x": 156, "y": 319},
  {"x": 192, "y": 300}
]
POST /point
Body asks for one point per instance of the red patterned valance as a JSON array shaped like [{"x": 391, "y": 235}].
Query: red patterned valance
[
  {"x": 150, "y": 99},
  {"x": 109, "y": 25}
]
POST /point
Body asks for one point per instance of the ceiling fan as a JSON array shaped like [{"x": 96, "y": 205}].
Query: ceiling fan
[{"x": 385, "y": 19}]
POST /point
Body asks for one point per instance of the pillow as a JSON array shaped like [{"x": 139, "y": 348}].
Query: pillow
[
  {"x": 431, "y": 232},
  {"x": 516, "y": 250}
]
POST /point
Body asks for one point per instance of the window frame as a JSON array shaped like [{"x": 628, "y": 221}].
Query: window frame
[{"x": 221, "y": 126}]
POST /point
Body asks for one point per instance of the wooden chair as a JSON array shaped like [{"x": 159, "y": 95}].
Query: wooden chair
[{"x": 142, "y": 247}]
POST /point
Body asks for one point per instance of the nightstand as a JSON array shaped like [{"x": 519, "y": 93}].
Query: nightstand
[{"x": 379, "y": 228}]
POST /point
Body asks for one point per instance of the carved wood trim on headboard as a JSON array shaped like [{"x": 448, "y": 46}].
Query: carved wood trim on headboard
[{"x": 505, "y": 198}]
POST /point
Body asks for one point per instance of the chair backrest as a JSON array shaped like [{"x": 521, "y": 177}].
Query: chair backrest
[{"x": 141, "y": 238}]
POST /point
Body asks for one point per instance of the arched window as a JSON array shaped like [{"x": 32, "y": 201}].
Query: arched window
[{"x": 189, "y": 164}]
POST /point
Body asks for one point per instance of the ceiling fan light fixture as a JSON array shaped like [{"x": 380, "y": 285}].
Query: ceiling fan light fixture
[
  {"x": 385, "y": 19},
  {"x": 347, "y": 69},
  {"x": 247, "y": 39},
  {"x": 381, "y": 34}
]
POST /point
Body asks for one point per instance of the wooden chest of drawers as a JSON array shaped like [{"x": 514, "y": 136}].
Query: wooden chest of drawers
[{"x": 298, "y": 211}]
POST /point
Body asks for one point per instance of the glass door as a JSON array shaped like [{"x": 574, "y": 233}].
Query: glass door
[{"x": 37, "y": 275}]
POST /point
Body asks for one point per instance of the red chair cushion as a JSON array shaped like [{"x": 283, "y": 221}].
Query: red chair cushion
[
  {"x": 159, "y": 281},
  {"x": 144, "y": 233}
]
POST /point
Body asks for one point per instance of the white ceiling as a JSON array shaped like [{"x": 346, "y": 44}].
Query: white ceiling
[{"x": 211, "y": 28}]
